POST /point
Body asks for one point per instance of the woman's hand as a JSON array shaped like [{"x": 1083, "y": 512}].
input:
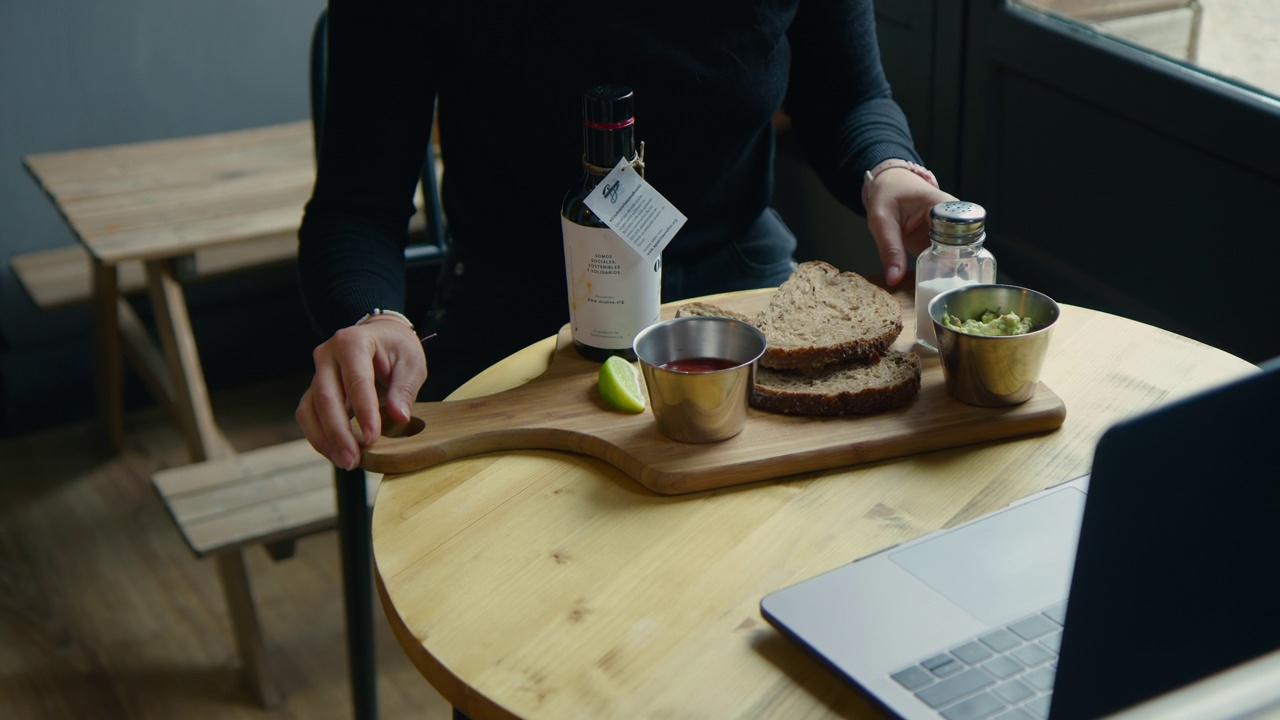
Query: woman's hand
[
  {"x": 898, "y": 202},
  {"x": 379, "y": 359}
]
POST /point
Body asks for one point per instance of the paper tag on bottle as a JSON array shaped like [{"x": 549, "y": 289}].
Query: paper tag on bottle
[{"x": 635, "y": 211}]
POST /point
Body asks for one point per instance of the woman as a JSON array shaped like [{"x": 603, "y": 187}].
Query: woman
[{"x": 505, "y": 81}]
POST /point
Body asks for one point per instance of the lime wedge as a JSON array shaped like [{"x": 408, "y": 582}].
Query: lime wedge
[{"x": 620, "y": 385}]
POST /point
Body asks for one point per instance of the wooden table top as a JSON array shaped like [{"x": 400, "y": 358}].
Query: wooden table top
[
  {"x": 169, "y": 198},
  {"x": 542, "y": 584}
]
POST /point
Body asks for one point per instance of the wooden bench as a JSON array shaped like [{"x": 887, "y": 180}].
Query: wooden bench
[
  {"x": 269, "y": 497},
  {"x": 152, "y": 216},
  {"x": 62, "y": 277},
  {"x": 233, "y": 198}
]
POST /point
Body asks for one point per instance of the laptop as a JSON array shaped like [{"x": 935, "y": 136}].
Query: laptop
[{"x": 1083, "y": 599}]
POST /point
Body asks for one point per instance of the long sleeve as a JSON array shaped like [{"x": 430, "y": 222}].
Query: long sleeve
[
  {"x": 379, "y": 97},
  {"x": 708, "y": 77},
  {"x": 838, "y": 98}
]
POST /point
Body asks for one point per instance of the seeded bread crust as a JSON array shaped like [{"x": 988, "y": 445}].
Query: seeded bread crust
[
  {"x": 822, "y": 317},
  {"x": 701, "y": 309},
  {"x": 829, "y": 335},
  {"x": 850, "y": 389}
]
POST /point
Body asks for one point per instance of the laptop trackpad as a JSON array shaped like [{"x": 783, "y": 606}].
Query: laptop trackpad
[{"x": 1007, "y": 564}]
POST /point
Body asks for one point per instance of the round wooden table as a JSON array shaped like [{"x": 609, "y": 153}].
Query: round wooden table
[{"x": 540, "y": 584}]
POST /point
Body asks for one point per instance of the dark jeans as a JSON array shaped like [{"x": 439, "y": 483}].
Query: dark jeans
[{"x": 489, "y": 310}]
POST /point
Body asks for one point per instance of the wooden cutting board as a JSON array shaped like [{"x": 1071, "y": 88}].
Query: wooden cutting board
[{"x": 560, "y": 410}]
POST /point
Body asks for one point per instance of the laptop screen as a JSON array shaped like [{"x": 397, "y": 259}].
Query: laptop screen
[{"x": 1185, "y": 508}]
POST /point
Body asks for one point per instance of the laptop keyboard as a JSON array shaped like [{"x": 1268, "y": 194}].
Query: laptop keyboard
[{"x": 1006, "y": 673}]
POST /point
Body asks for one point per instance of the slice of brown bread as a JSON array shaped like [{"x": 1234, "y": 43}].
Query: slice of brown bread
[
  {"x": 701, "y": 309},
  {"x": 850, "y": 389},
  {"x": 818, "y": 318},
  {"x": 822, "y": 317}
]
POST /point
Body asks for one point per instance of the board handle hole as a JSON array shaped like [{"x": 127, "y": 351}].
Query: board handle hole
[{"x": 393, "y": 429}]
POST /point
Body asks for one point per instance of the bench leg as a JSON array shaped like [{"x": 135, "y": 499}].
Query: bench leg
[
  {"x": 244, "y": 623},
  {"x": 282, "y": 549},
  {"x": 186, "y": 376},
  {"x": 108, "y": 366}
]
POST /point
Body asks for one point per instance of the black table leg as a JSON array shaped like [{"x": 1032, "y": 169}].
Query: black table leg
[{"x": 357, "y": 580}]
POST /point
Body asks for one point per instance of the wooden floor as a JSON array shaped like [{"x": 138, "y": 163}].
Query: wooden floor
[{"x": 105, "y": 613}]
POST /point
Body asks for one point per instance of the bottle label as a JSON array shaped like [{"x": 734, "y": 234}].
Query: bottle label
[
  {"x": 635, "y": 210},
  {"x": 614, "y": 293}
]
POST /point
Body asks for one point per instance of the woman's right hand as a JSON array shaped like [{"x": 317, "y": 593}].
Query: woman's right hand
[{"x": 359, "y": 369}]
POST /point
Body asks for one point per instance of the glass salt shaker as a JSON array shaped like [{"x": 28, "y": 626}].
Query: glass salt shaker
[{"x": 954, "y": 258}]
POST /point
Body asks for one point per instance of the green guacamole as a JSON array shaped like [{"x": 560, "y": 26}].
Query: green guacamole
[{"x": 991, "y": 323}]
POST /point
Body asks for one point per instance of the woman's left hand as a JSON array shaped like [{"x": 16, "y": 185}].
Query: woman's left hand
[{"x": 898, "y": 203}]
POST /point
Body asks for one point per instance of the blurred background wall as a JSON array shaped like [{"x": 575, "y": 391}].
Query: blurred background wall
[{"x": 78, "y": 74}]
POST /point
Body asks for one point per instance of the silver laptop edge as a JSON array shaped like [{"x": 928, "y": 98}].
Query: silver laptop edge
[{"x": 906, "y": 617}]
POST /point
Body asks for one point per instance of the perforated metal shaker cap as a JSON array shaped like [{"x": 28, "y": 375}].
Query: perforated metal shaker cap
[{"x": 957, "y": 222}]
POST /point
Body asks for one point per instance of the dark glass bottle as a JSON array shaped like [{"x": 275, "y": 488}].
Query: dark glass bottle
[{"x": 614, "y": 292}]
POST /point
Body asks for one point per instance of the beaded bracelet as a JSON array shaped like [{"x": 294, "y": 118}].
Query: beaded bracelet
[
  {"x": 869, "y": 178},
  {"x": 381, "y": 311},
  {"x": 918, "y": 169}
]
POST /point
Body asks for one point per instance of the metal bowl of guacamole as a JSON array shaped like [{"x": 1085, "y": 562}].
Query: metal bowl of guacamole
[{"x": 993, "y": 340}]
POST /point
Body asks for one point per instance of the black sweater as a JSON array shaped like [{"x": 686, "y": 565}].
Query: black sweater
[{"x": 506, "y": 78}]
